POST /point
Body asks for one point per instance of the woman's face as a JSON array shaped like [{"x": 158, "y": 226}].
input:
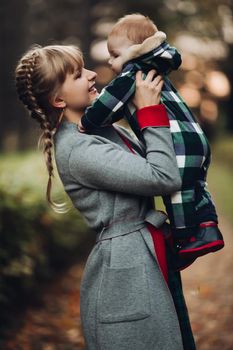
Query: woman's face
[{"x": 78, "y": 90}]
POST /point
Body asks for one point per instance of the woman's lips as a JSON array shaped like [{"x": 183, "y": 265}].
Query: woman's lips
[{"x": 93, "y": 90}]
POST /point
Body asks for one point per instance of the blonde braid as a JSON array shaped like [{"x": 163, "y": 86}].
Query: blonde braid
[
  {"x": 47, "y": 141},
  {"x": 24, "y": 85},
  {"x": 24, "y": 82}
]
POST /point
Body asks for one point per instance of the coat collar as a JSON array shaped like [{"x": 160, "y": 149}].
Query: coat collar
[{"x": 107, "y": 132}]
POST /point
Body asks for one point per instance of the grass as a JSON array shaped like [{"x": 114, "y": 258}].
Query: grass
[
  {"x": 220, "y": 179},
  {"x": 26, "y": 173},
  {"x": 220, "y": 185}
]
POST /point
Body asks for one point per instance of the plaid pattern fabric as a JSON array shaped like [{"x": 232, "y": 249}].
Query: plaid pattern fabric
[
  {"x": 193, "y": 203},
  {"x": 175, "y": 286}
]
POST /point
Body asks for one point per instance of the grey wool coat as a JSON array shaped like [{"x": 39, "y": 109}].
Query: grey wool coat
[{"x": 125, "y": 304}]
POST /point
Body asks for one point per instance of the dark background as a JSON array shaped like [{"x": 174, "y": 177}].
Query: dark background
[{"x": 201, "y": 30}]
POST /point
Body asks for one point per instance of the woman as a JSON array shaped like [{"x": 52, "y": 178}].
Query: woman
[{"x": 125, "y": 302}]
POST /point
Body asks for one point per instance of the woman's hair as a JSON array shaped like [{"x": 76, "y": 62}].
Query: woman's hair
[
  {"x": 136, "y": 27},
  {"x": 39, "y": 74}
]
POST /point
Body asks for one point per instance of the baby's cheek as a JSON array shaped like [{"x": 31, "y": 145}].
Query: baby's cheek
[{"x": 119, "y": 65}]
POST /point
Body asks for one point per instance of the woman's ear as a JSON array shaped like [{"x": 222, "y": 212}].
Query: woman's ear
[{"x": 57, "y": 101}]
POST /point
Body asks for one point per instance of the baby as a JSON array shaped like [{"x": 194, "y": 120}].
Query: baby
[{"x": 135, "y": 44}]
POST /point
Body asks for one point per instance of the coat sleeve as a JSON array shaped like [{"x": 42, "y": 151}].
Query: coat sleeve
[
  {"x": 107, "y": 108},
  {"x": 164, "y": 58},
  {"x": 205, "y": 206},
  {"x": 105, "y": 166}
]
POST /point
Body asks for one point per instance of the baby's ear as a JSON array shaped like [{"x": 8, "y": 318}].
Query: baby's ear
[{"x": 147, "y": 45}]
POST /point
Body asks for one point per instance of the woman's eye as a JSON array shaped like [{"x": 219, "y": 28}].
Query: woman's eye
[{"x": 77, "y": 75}]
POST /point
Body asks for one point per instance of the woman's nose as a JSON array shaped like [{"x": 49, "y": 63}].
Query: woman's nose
[{"x": 91, "y": 75}]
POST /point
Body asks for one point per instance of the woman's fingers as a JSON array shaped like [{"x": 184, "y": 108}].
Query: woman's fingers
[
  {"x": 154, "y": 82},
  {"x": 160, "y": 85},
  {"x": 150, "y": 76},
  {"x": 157, "y": 79},
  {"x": 139, "y": 76},
  {"x": 148, "y": 91},
  {"x": 150, "y": 79}
]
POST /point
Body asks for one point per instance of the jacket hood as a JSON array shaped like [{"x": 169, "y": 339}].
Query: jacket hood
[
  {"x": 153, "y": 53},
  {"x": 147, "y": 45}
]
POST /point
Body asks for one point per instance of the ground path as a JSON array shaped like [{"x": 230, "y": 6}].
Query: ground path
[{"x": 55, "y": 324}]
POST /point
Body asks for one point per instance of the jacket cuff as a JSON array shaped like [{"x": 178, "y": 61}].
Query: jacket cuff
[
  {"x": 208, "y": 223},
  {"x": 155, "y": 115}
]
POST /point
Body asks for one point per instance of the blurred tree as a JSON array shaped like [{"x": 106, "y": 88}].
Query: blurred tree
[
  {"x": 13, "y": 29},
  {"x": 76, "y": 21}
]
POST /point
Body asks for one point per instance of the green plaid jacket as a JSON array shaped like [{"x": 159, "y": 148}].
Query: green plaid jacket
[{"x": 193, "y": 203}]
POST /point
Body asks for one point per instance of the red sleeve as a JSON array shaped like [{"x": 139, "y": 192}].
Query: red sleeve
[{"x": 155, "y": 115}]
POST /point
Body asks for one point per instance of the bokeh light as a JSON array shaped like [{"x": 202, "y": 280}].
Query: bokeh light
[{"x": 218, "y": 84}]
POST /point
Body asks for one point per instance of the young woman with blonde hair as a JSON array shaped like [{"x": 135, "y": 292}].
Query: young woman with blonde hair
[{"x": 129, "y": 299}]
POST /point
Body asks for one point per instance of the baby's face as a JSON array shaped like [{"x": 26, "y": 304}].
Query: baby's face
[{"x": 117, "y": 44}]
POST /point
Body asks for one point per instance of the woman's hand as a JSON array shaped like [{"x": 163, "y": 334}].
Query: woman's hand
[{"x": 148, "y": 91}]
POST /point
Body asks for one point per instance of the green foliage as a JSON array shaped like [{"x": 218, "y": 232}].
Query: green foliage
[
  {"x": 220, "y": 175},
  {"x": 223, "y": 151},
  {"x": 35, "y": 242}
]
